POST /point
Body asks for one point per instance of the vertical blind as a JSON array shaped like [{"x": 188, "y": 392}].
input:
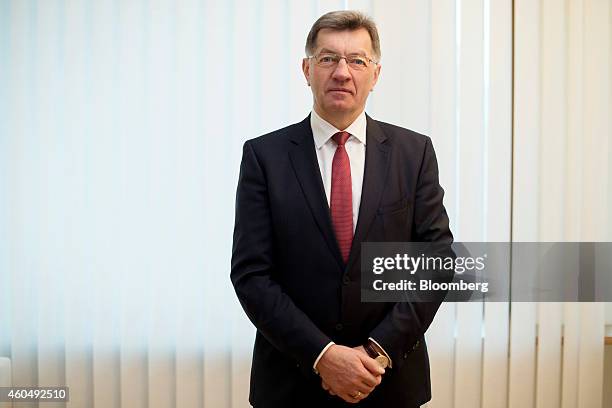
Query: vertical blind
[{"x": 121, "y": 126}]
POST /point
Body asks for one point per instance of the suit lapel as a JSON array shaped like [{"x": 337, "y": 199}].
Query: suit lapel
[
  {"x": 304, "y": 161},
  {"x": 375, "y": 174}
]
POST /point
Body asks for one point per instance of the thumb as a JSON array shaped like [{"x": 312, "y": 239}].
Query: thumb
[{"x": 371, "y": 365}]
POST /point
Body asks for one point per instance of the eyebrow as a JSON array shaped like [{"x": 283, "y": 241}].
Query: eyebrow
[{"x": 327, "y": 50}]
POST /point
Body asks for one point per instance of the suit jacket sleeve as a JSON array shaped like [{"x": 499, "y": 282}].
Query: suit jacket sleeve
[
  {"x": 271, "y": 310},
  {"x": 406, "y": 323}
]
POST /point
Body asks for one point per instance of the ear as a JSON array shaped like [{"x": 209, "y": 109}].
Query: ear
[
  {"x": 306, "y": 69},
  {"x": 376, "y": 74}
]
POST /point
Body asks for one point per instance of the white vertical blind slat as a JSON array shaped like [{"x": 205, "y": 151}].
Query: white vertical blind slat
[
  {"x": 441, "y": 335},
  {"x": 219, "y": 196},
  {"x": 441, "y": 348},
  {"x": 106, "y": 256},
  {"x": 498, "y": 154},
  {"x": 55, "y": 159},
  {"x": 300, "y": 16},
  {"x": 570, "y": 359},
  {"x": 471, "y": 221},
  {"x": 134, "y": 134},
  {"x": 597, "y": 129},
  {"x": 548, "y": 375},
  {"x": 591, "y": 351},
  {"x": 79, "y": 289},
  {"x": 521, "y": 385},
  {"x": 552, "y": 162},
  {"x": 525, "y": 204},
  {"x": 468, "y": 355},
  {"x": 23, "y": 220},
  {"x": 189, "y": 263},
  {"x": 245, "y": 97},
  {"x": 5, "y": 144},
  {"x": 161, "y": 63},
  {"x": 495, "y": 355}
]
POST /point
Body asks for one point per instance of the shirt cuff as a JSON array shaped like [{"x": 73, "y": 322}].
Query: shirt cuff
[
  {"x": 314, "y": 366},
  {"x": 384, "y": 352}
]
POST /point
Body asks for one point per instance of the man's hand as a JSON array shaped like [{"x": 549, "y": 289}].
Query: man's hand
[{"x": 349, "y": 373}]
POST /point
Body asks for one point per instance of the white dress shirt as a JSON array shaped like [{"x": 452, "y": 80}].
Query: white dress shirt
[
  {"x": 355, "y": 146},
  {"x": 322, "y": 132}
]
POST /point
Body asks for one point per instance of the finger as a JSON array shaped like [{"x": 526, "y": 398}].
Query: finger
[
  {"x": 367, "y": 378},
  {"x": 363, "y": 389},
  {"x": 367, "y": 389},
  {"x": 369, "y": 382},
  {"x": 371, "y": 365},
  {"x": 376, "y": 383},
  {"x": 356, "y": 397},
  {"x": 324, "y": 385},
  {"x": 350, "y": 399}
]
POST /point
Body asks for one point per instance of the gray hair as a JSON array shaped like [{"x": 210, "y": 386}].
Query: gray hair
[{"x": 340, "y": 21}]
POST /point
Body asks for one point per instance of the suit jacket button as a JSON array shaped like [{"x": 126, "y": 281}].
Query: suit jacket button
[
  {"x": 339, "y": 326},
  {"x": 346, "y": 280}
]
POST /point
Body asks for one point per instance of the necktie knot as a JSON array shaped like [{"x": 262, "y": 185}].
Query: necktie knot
[{"x": 341, "y": 137}]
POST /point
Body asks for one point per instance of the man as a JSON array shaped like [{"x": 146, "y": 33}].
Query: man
[{"x": 308, "y": 196}]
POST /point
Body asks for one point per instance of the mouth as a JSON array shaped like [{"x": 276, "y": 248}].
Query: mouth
[{"x": 341, "y": 90}]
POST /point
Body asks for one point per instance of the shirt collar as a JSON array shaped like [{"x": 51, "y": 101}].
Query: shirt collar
[{"x": 322, "y": 130}]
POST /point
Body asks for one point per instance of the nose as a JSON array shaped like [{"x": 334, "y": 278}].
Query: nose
[{"x": 341, "y": 72}]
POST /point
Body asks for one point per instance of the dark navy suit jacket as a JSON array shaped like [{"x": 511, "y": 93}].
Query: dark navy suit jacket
[{"x": 289, "y": 275}]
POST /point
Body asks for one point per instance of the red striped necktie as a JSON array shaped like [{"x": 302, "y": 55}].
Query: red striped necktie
[{"x": 342, "y": 196}]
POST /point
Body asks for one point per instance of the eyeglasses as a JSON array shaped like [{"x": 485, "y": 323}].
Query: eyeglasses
[{"x": 331, "y": 60}]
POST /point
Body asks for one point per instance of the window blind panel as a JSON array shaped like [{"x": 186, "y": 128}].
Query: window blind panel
[
  {"x": 219, "y": 196},
  {"x": 5, "y": 74},
  {"x": 497, "y": 18},
  {"x": 597, "y": 128},
  {"x": 323, "y": 6},
  {"x": 55, "y": 162},
  {"x": 164, "y": 158},
  {"x": 552, "y": 162},
  {"x": 495, "y": 355},
  {"x": 363, "y": 5},
  {"x": 521, "y": 386},
  {"x": 548, "y": 373},
  {"x": 79, "y": 287},
  {"x": 389, "y": 17},
  {"x": 590, "y": 365},
  {"x": 471, "y": 143},
  {"x": 106, "y": 261},
  {"x": 274, "y": 54},
  {"x": 132, "y": 157},
  {"x": 23, "y": 162},
  {"x": 441, "y": 348},
  {"x": 300, "y": 16},
  {"x": 406, "y": 64},
  {"x": 247, "y": 49},
  {"x": 521, "y": 377},
  {"x": 571, "y": 349},
  {"x": 470, "y": 136},
  {"x": 468, "y": 355},
  {"x": 444, "y": 104},
  {"x": 443, "y": 129},
  {"x": 575, "y": 119},
  {"x": 189, "y": 262}
]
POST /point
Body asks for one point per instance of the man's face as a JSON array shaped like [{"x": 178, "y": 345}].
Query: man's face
[{"x": 341, "y": 90}]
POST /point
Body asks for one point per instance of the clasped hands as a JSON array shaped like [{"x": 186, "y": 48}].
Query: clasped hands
[{"x": 349, "y": 373}]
